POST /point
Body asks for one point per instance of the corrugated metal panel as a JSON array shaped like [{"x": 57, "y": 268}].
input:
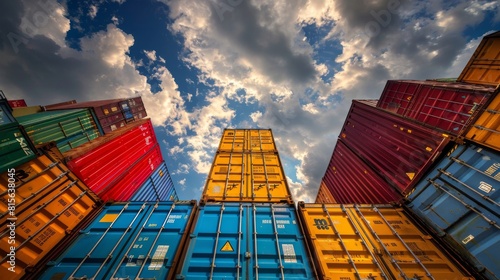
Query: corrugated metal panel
[
  {"x": 256, "y": 177},
  {"x": 159, "y": 186},
  {"x": 247, "y": 140},
  {"x": 484, "y": 65},
  {"x": 398, "y": 149},
  {"x": 136, "y": 174},
  {"x": 350, "y": 180},
  {"x": 372, "y": 242},
  {"x": 450, "y": 107},
  {"x": 138, "y": 126},
  {"x": 486, "y": 130},
  {"x": 69, "y": 129},
  {"x": 324, "y": 195},
  {"x": 15, "y": 148},
  {"x": 111, "y": 114},
  {"x": 107, "y": 163},
  {"x": 246, "y": 241},
  {"x": 128, "y": 241},
  {"x": 46, "y": 214},
  {"x": 459, "y": 198}
]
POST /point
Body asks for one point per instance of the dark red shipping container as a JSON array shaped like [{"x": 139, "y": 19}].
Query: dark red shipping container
[
  {"x": 350, "y": 180},
  {"x": 103, "y": 165},
  {"x": 111, "y": 114},
  {"x": 133, "y": 177},
  {"x": 448, "y": 106},
  {"x": 18, "y": 103},
  {"x": 397, "y": 148}
]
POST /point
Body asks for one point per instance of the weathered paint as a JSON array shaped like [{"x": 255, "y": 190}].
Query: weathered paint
[
  {"x": 398, "y": 149},
  {"x": 459, "y": 199}
]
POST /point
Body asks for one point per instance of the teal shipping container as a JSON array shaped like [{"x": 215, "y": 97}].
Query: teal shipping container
[
  {"x": 68, "y": 128},
  {"x": 15, "y": 147},
  {"x": 459, "y": 200},
  {"x": 246, "y": 241},
  {"x": 135, "y": 240}
]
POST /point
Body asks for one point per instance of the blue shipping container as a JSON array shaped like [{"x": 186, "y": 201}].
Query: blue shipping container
[
  {"x": 246, "y": 241},
  {"x": 6, "y": 116},
  {"x": 159, "y": 186},
  {"x": 127, "y": 241},
  {"x": 459, "y": 200}
]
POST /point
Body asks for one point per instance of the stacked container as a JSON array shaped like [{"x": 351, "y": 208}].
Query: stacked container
[
  {"x": 437, "y": 144},
  {"x": 247, "y": 226}
]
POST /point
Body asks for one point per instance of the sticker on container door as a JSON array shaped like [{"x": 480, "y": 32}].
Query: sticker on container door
[
  {"x": 289, "y": 253},
  {"x": 467, "y": 239},
  {"x": 158, "y": 257},
  {"x": 227, "y": 247},
  {"x": 485, "y": 187}
]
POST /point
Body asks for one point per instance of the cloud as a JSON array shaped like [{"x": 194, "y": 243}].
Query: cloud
[
  {"x": 255, "y": 116},
  {"x": 151, "y": 55},
  {"x": 93, "y": 11},
  {"x": 115, "y": 20}
]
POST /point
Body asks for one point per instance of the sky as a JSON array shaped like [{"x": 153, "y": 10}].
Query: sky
[{"x": 201, "y": 66}]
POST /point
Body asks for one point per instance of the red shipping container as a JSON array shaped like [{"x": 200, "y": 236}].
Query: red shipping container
[
  {"x": 350, "y": 180},
  {"x": 134, "y": 177},
  {"x": 101, "y": 166},
  {"x": 448, "y": 106},
  {"x": 18, "y": 103},
  {"x": 111, "y": 114},
  {"x": 397, "y": 148}
]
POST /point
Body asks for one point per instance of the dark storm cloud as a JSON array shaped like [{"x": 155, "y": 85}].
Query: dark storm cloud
[
  {"x": 269, "y": 48},
  {"x": 10, "y": 19}
]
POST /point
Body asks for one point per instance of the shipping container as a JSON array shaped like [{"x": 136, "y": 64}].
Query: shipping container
[
  {"x": 55, "y": 105},
  {"x": 246, "y": 241},
  {"x": 450, "y": 107},
  {"x": 324, "y": 195},
  {"x": 159, "y": 186},
  {"x": 459, "y": 199},
  {"x": 247, "y": 140},
  {"x": 398, "y": 149},
  {"x": 15, "y": 147},
  {"x": 484, "y": 65},
  {"x": 134, "y": 176},
  {"x": 55, "y": 209},
  {"x": 486, "y": 129},
  {"x": 18, "y": 103},
  {"x": 108, "y": 162},
  {"x": 24, "y": 111},
  {"x": 111, "y": 114},
  {"x": 372, "y": 242},
  {"x": 251, "y": 177},
  {"x": 69, "y": 129},
  {"x": 6, "y": 116},
  {"x": 350, "y": 180},
  {"x": 132, "y": 240}
]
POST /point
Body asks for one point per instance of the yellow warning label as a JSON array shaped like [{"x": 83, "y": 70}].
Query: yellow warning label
[
  {"x": 410, "y": 175},
  {"x": 227, "y": 247},
  {"x": 108, "y": 218},
  {"x": 429, "y": 149}
]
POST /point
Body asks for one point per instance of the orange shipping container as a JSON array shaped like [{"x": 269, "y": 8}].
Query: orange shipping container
[
  {"x": 372, "y": 242},
  {"x": 484, "y": 65},
  {"x": 486, "y": 129},
  {"x": 246, "y": 177},
  {"x": 50, "y": 202},
  {"x": 324, "y": 195},
  {"x": 247, "y": 140}
]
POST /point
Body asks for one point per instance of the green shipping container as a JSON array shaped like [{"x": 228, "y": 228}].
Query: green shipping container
[
  {"x": 15, "y": 149},
  {"x": 68, "y": 128}
]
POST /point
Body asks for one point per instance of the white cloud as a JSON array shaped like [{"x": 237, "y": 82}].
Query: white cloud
[
  {"x": 151, "y": 55},
  {"x": 119, "y": 1},
  {"x": 255, "y": 116},
  {"x": 161, "y": 59},
  {"x": 176, "y": 150},
  {"x": 93, "y": 11},
  {"x": 115, "y": 20},
  {"x": 183, "y": 169},
  {"x": 182, "y": 182}
]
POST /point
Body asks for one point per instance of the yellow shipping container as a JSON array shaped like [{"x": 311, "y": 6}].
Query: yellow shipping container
[
  {"x": 246, "y": 177},
  {"x": 372, "y": 242},
  {"x": 324, "y": 195},
  {"x": 484, "y": 65},
  {"x": 48, "y": 203},
  {"x": 486, "y": 129},
  {"x": 247, "y": 140}
]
